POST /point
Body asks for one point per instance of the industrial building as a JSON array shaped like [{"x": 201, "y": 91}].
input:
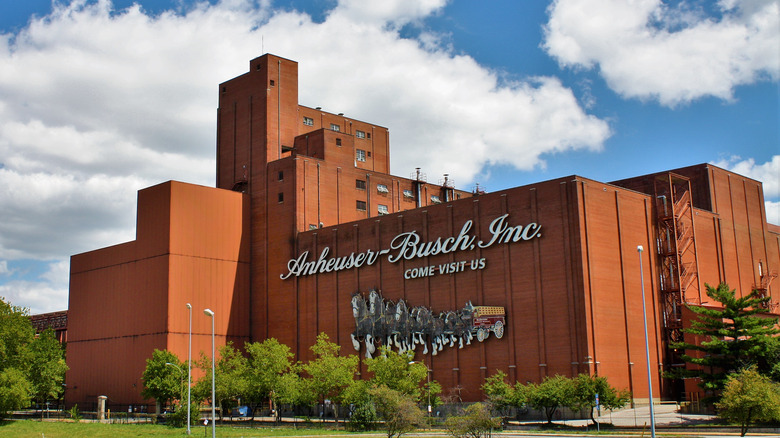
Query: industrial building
[{"x": 307, "y": 231}]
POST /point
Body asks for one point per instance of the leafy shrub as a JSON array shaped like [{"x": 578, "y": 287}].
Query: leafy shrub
[
  {"x": 179, "y": 417},
  {"x": 475, "y": 422},
  {"x": 75, "y": 414}
]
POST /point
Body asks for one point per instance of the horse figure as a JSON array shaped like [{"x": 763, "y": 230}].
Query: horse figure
[{"x": 393, "y": 324}]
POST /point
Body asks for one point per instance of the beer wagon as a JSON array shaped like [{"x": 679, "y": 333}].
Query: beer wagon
[{"x": 488, "y": 319}]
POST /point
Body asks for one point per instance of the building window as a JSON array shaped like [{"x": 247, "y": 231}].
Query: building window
[
  {"x": 272, "y": 82},
  {"x": 335, "y": 127},
  {"x": 281, "y": 176},
  {"x": 360, "y": 155},
  {"x": 408, "y": 194},
  {"x": 281, "y": 197},
  {"x": 435, "y": 199},
  {"x": 360, "y": 184},
  {"x": 360, "y": 205},
  {"x": 381, "y": 188},
  {"x": 338, "y": 142},
  {"x": 382, "y": 209},
  {"x": 368, "y": 135},
  {"x": 360, "y": 134},
  {"x": 308, "y": 121}
]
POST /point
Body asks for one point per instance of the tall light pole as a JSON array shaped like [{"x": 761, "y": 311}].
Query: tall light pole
[
  {"x": 647, "y": 344},
  {"x": 189, "y": 369},
  {"x": 210, "y": 314}
]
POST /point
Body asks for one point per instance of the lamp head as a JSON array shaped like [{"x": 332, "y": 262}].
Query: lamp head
[
  {"x": 208, "y": 312},
  {"x": 189, "y": 306},
  {"x": 639, "y": 248}
]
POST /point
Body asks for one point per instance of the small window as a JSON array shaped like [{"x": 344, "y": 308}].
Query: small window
[
  {"x": 408, "y": 194},
  {"x": 360, "y": 155},
  {"x": 368, "y": 135},
  {"x": 381, "y": 188},
  {"x": 308, "y": 121},
  {"x": 435, "y": 199},
  {"x": 368, "y": 154},
  {"x": 335, "y": 127},
  {"x": 272, "y": 82},
  {"x": 338, "y": 142},
  {"x": 281, "y": 197},
  {"x": 360, "y": 205},
  {"x": 360, "y": 134},
  {"x": 382, "y": 209},
  {"x": 281, "y": 176},
  {"x": 360, "y": 184}
]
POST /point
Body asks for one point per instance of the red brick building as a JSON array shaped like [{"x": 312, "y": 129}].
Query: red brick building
[{"x": 306, "y": 214}]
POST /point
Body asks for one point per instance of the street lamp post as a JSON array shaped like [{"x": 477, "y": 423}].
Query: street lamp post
[
  {"x": 210, "y": 314},
  {"x": 647, "y": 344},
  {"x": 189, "y": 369}
]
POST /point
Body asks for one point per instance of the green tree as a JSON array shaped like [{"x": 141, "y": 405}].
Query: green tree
[
  {"x": 551, "y": 394},
  {"x": 162, "y": 382},
  {"x": 231, "y": 377},
  {"x": 584, "y": 394},
  {"x": 15, "y": 391},
  {"x": 398, "y": 372},
  {"x": 398, "y": 411},
  {"x": 748, "y": 397},
  {"x": 737, "y": 337},
  {"x": 16, "y": 335},
  {"x": 500, "y": 395},
  {"x": 268, "y": 362},
  {"x": 328, "y": 373},
  {"x": 47, "y": 367},
  {"x": 475, "y": 422}
]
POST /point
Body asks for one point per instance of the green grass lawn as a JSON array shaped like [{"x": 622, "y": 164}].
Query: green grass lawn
[{"x": 47, "y": 429}]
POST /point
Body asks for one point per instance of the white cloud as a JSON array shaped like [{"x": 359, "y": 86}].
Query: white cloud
[
  {"x": 4, "y": 268},
  {"x": 769, "y": 175},
  {"x": 96, "y": 104},
  {"x": 772, "y": 212},
  {"x": 48, "y": 294},
  {"x": 649, "y": 49}
]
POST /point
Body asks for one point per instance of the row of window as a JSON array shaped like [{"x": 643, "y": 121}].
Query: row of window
[
  {"x": 381, "y": 209},
  {"x": 308, "y": 121}
]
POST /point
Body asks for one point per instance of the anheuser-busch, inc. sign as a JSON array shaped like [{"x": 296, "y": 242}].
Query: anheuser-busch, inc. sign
[{"x": 409, "y": 246}]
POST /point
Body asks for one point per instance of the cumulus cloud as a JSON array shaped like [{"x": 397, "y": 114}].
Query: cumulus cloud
[
  {"x": 98, "y": 103},
  {"x": 670, "y": 52},
  {"x": 48, "y": 293},
  {"x": 769, "y": 175}
]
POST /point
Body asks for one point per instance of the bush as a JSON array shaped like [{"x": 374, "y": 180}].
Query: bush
[
  {"x": 75, "y": 414},
  {"x": 363, "y": 417},
  {"x": 179, "y": 417},
  {"x": 475, "y": 422}
]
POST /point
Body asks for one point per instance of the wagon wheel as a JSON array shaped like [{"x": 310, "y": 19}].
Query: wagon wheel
[
  {"x": 498, "y": 329},
  {"x": 482, "y": 334}
]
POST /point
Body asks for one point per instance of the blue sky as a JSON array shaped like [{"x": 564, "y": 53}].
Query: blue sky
[{"x": 99, "y": 99}]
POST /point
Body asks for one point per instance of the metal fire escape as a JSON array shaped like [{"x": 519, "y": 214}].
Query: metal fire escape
[
  {"x": 676, "y": 243},
  {"x": 764, "y": 280}
]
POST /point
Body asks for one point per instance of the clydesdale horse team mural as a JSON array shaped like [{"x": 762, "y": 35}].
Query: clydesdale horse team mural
[{"x": 396, "y": 325}]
